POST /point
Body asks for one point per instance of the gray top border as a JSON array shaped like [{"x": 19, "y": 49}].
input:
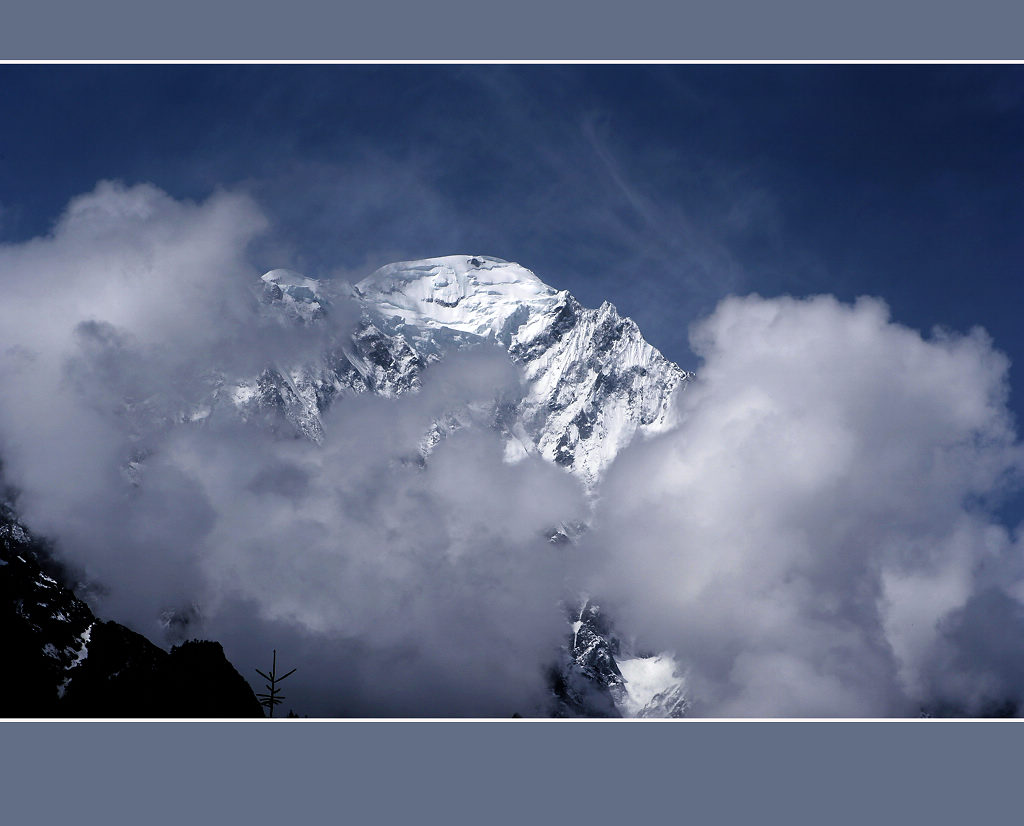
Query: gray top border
[{"x": 525, "y": 30}]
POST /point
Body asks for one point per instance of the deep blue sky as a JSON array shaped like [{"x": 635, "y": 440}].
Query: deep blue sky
[{"x": 659, "y": 188}]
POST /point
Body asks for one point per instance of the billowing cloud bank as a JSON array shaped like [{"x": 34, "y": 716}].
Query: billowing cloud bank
[{"x": 817, "y": 537}]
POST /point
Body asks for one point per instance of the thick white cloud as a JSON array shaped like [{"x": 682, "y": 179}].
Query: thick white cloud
[{"x": 805, "y": 538}]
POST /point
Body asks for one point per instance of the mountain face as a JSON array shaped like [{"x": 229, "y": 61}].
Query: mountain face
[{"x": 592, "y": 382}]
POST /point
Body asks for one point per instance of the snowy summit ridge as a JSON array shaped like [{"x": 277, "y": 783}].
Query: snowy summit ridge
[{"x": 593, "y": 383}]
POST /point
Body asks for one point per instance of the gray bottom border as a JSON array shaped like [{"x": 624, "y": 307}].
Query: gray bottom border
[{"x": 576, "y": 772}]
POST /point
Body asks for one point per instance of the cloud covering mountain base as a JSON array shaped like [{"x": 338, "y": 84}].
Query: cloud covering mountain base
[{"x": 816, "y": 537}]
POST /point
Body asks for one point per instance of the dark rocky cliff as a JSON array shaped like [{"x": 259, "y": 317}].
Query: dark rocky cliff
[{"x": 60, "y": 660}]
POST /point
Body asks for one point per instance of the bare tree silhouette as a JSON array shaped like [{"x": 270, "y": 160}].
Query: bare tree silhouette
[{"x": 272, "y": 698}]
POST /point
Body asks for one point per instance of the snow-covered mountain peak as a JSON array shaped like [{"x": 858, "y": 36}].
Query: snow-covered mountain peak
[
  {"x": 592, "y": 383},
  {"x": 474, "y": 294},
  {"x": 301, "y": 296}
]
